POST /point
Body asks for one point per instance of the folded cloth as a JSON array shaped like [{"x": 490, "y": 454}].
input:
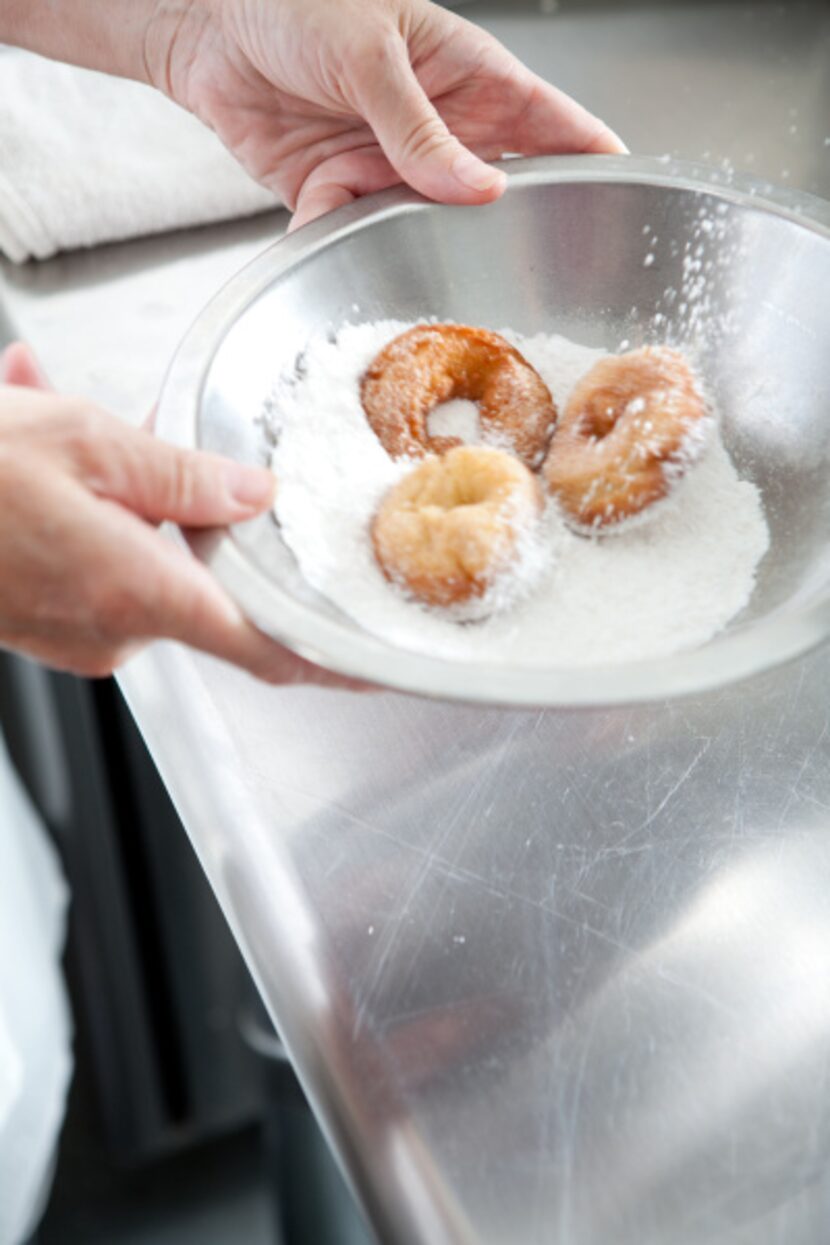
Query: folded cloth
[{"x": 85, "y": 158}]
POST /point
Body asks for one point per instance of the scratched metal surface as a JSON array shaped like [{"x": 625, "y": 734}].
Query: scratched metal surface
[
  {"x": 555, "y": 978},
  {"x": 550, "y": 977}
]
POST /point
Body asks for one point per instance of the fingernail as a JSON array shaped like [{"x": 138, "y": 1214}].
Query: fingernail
[
  {"x": 607, "y": 143},
  {"x": 252, "y": 487},
  {"x": 474, "y": 173},
  {"x": 624, "y": 151}
]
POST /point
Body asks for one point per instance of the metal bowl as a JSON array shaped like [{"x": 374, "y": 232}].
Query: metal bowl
[{"x": 587, "y": 247}]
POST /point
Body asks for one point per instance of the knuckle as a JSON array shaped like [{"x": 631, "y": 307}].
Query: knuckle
[
  {"x": 363, "y": 51},
  {"x": 80, "y": 429},
  {"x": 82, "y": 421},
  {"x": 116, "y": 609},
  {"x": 423, "y": 138},
  {"x": 190, "y": 613},
  {"x": 183, "y": 481}
]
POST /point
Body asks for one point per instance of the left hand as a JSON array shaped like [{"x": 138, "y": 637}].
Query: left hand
[
  {"x": 326, "y": 100},
  {"x": 85, "y": 578}
]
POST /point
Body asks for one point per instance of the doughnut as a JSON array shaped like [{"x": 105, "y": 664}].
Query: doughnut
[
  {"x": 630, "y": 430},
  {"x": 434, "y": 363},
  {"x": 451, "y": 528}
]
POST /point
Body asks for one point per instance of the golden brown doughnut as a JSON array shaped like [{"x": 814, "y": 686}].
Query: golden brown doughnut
[
  {"x": 630, "y": 430},
  {"x": 433, "y": 363},
  {"x": 451, "y": 527}
]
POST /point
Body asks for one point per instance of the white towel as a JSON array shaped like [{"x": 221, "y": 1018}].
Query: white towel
[{"x": 85, "y": 158}]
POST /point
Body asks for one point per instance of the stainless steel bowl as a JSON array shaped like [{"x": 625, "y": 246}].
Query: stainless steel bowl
[{"x": 567, "y": 250}]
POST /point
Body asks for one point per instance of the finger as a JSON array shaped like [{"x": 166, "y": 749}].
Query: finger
[
  {"x": 144, "y": 587},
  {"x": 18, "y": 366},
  {"x": 118, "y": 583},
  {"x": 83, "y": 658},
  {"x": 159, "y": 481},
  {"x": 205, "y": 624},
  {"x": 192, "y": 608},
  {"x": 607, "y": 143},
  {"x": 176, "y": 598},
  {"x": 553, "y": 123},
  {"x": 341, "y": 179},
  {"x": 197, "y": 612},
  {"x": 517, "y": 111},
  {"x": 318, "y": 201},
  {"x": 413, "y": 136}
]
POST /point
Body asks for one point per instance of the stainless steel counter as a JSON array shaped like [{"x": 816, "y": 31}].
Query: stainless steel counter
[{"x": 548, "y": 977}]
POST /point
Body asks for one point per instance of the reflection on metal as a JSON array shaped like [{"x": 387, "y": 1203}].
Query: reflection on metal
[{"x": 574, "y": 963}]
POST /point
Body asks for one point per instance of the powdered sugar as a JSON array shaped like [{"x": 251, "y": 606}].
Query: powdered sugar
[
  {"x": 664, "y": 585},
  {"x": 458, "y": 418}
]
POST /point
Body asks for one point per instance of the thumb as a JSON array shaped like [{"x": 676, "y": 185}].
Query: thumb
[
  {"x": 413, "y": 136},
  {"x": 159, "y": 481}
]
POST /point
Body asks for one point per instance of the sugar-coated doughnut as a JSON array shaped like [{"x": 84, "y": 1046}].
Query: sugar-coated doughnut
[
  {"x": 452, "y": 526},
  {"x": 631, "y": 428},
  {"x": 433, "y": 363}
]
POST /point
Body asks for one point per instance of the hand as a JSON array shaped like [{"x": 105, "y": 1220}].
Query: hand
[
  {"x": 326, "y": 100},
  {"x": 85, "y": 578}
]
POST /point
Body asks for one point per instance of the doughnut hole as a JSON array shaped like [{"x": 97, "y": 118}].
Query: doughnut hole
[
  {"x": 607, "y": 406},
  {"x": 450, "y": 528}
]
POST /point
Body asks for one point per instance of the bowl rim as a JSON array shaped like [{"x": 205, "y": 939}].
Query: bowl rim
[{"x": 356, "y": 654}]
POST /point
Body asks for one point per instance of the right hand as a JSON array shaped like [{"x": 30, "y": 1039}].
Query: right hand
[
  {"x": 85, "y": 577},
  {"x": 326, "y": 100}
]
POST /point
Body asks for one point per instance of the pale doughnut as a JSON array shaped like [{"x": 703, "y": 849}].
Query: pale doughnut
[{"x": 451, "y": 527}]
